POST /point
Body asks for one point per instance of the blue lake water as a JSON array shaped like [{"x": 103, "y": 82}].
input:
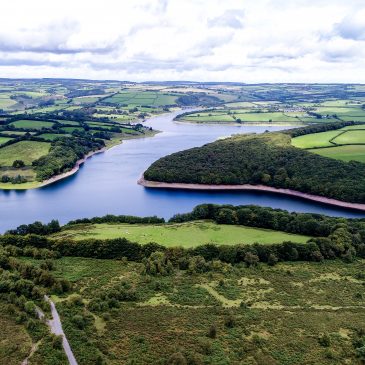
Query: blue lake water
[{"x": 107, "y": 183}]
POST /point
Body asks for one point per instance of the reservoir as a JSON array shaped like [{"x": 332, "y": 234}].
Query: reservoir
[{"x": 107, "y": 182}]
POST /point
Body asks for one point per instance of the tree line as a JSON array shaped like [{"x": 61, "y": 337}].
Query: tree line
[{"x": 332, "y": 238}]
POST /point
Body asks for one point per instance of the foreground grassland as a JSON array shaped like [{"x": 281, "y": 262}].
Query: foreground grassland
[
  {"x": 346, "y": 144},
  {"x": 293, "y": 313},
  {"x": 189, "y": 234},
  {"x": 15, "y": 343}
]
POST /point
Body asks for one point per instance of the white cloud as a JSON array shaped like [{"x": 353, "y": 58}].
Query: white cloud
[{"x": 208, "y": 40}]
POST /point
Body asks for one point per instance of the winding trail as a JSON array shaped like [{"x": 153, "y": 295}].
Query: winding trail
[
  {"x": 55, "y": 326},
  {"x": 321, "y": 199}
]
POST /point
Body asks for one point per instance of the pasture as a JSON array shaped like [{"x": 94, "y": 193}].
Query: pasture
[
  {"x": 351, "y": 137},
  {"x": 171, "y": 235},
  {"x": 344, "y": 153},
  {"x": 31, "y": 124},
  {"x": 27, "y": 151},
  {"x": 241, "y": 115},
  {"x": 315, "y": 139},
  {"x": 4, "y": 140},
  {"x": 346, "y": 144},
  {"x": 6, "y": 102},
  {"x": 52, "y": 136},
  {"x": 17, "y": 133},
  {"x": 71, "y": 129},
  {"x": 135, "y": 98}
]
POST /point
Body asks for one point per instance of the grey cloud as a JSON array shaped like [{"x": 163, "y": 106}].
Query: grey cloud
[
  {"x": 351, "y": 28},
  {"x": 206, "y": 47},
  {"x": 30, "y": 62},
  {"x": 232, "y": 18},
  {"x": 340, "y": 55},
  {"x": 144, "y": 63}
]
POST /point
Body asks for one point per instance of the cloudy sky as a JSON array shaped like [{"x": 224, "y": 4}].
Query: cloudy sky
[{"x": 202, "y": 40}]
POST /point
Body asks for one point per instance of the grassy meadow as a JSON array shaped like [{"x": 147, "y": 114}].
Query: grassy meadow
[
  {"x": 31, "y": 124},
  {"x": 27, "y": 151},
  {"x": 189, "y": 234},
  {"x": 142, "y": 98},
  {"x": 346, "y": 144},
  {"x": 344, "y": 153}
]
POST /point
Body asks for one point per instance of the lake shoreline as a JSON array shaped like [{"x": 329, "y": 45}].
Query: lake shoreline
[
  {"x": 76, "y": 168},
  {"x": 247, "y": 187}
]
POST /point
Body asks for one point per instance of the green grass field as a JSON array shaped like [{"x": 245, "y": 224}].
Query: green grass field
[
  {"x": 71, "y": 129},
  {"x": 315, "y": 140},
  {"x": 18, "y": 133},
  {"x": 52, "y": 136},
  {"x": 31, "y": 124},
  {"x": 244, "y": 115},
  {"x": 4, "y": 140},
  {"x": 135, "y": 98},
  {"x": 344, "y": 153},
  {"x": 348, "y": 138},
  {"x": 28, "y": 151},
  {"x": 358, "y": 126},
  {"x": 69, "y": 122},
  {"x": 351, "y": 137},
  {"x": 189, "y": 234},
  {"x": 6, "y": 102}
]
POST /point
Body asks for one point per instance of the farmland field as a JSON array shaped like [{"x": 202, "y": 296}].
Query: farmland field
[
  {"x": 71, "y": 129},
  {"x": 142, "y": 98},
  {"x": 18, "y": 133},
  {"x": 344, "y": 144},
  {"x": 4, "y": 140},
  {"x": 6, "y": 102},
  {"x": 351, "y": 137},
  {"x": 27, "y": 151},
  {"x": 31, "y": 124},
  {"x": 181, "y": 234},
  {"x": 315, "y": 140},
  {"x": 52, "y": 136},
  {"x": 344, "y": 153}
]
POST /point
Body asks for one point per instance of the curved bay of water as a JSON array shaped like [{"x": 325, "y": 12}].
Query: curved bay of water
[{"x": 107, "y": 182}]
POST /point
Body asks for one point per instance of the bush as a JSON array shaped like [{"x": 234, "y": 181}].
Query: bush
[
  {"x": 177, "y": 359},
  {"x": 212, "y": 333},
  {"x": 79, "y": 321}
]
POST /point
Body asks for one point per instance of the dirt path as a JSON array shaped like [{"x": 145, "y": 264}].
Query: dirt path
[
  {"x": 316, "y": 198},
  {"x": 55, "y": 326},
  {"x": 32, "y": 351}
]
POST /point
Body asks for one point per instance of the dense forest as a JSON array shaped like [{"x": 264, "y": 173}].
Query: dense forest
[{"x": 267, "y": 159}]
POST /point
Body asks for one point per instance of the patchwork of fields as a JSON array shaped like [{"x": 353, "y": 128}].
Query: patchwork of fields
[
  {"x": 142, "y": 98},
  {"x": 276, "y": 112},
  {"x": 344, "y": 144}
]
